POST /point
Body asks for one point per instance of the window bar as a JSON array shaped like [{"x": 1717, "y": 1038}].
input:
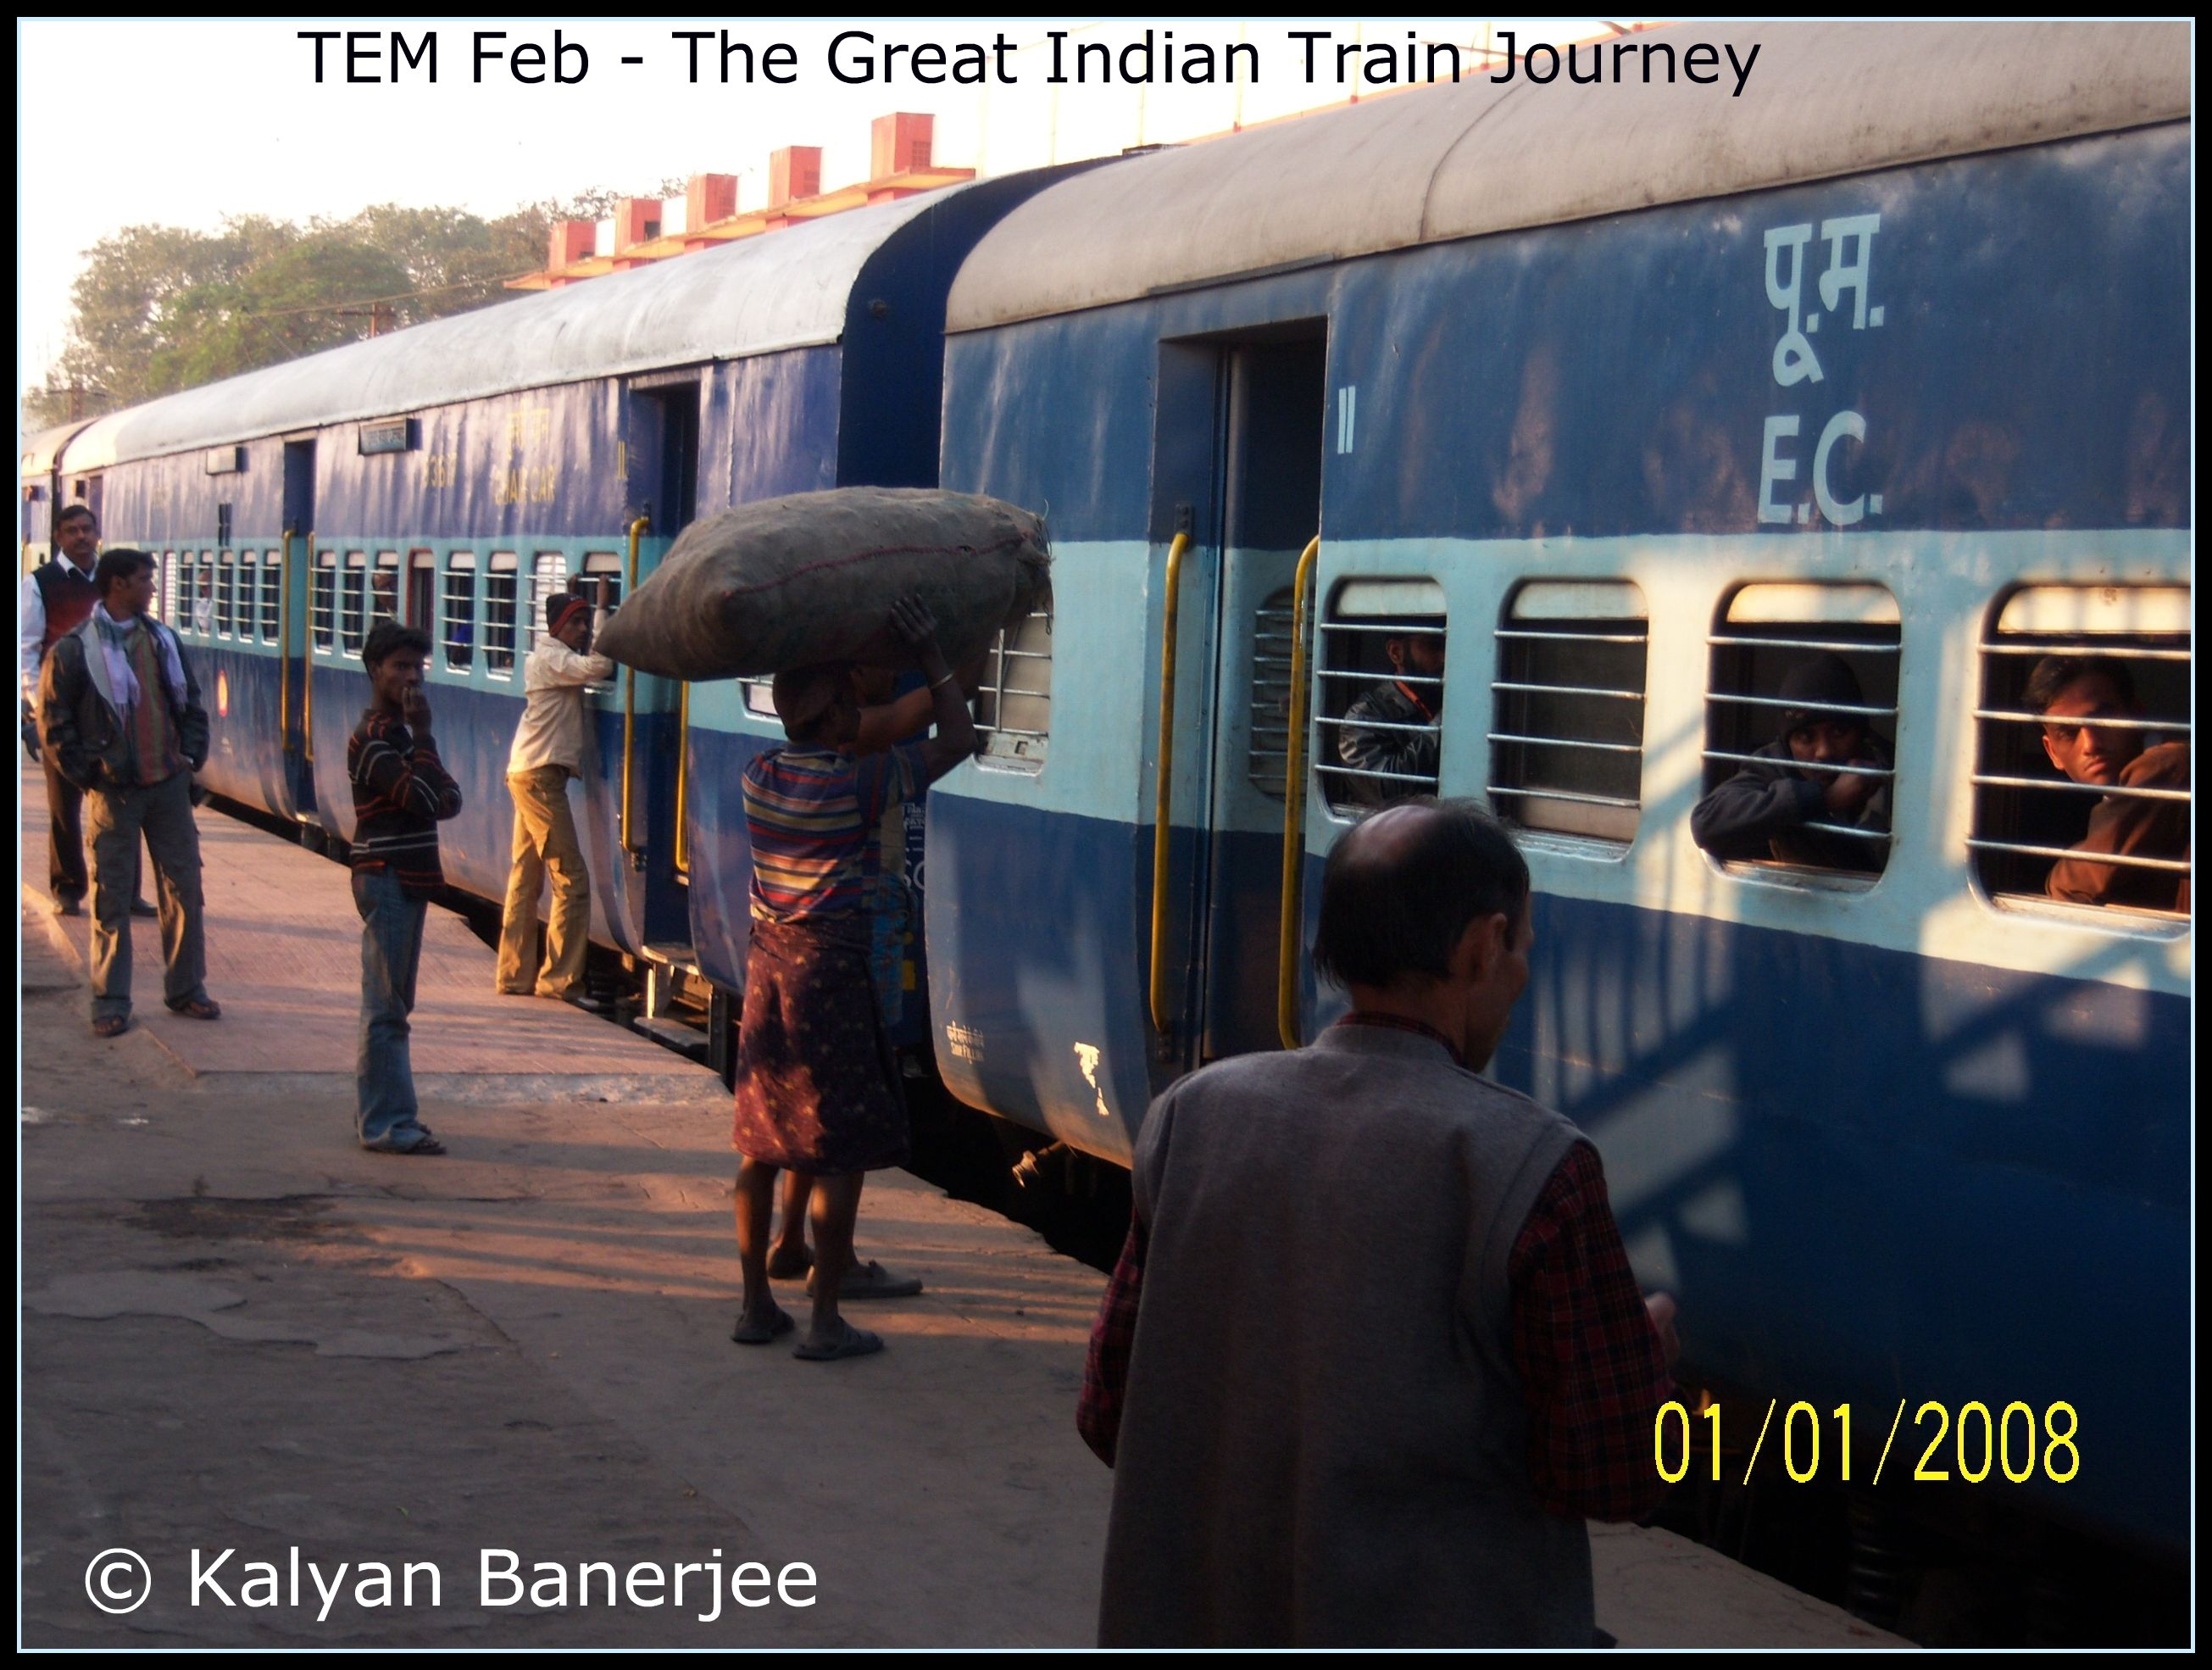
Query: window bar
[
  {"x": 1362, "y": 771},
  {"x": 1570, "y": 690},
  {"x": 1810, "y": 707},
  {"x": 2124, "y": 723},
  {"x": 1573, "y": 638},
  {"x": 1567, "y": 742},
  {"x": 2173, "y": 865},
  {"x": 2109, "y": 652},
  {"x": 1377, "y": 724},
  {"x": 2068, "y": 784},
  {"x": 1800, "y": 764},
  {"x": 1877, "y": 647},
  {"x": 1566, "y": 795}
]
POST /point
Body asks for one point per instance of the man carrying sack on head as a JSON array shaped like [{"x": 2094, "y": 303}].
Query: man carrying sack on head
[{"x": 548, "y": 750}]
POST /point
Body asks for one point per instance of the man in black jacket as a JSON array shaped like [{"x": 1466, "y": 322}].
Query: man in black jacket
[
  {"x": 119, "y": 713},
  {"x": 1826, "y": 768}
]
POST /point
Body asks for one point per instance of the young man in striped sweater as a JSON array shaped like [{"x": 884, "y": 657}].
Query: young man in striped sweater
[{"x": 401, "y": 793}]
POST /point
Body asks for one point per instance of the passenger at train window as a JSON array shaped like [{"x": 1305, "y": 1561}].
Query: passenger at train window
[
  {"x": 1278, "y": 1406},
  {"x": 1391, "y": 730},
  {"x": 2074, "y": 693},
  {"x": 1826, "y": 768}
]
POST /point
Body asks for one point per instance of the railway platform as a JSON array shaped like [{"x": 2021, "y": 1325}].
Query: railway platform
[{"x": 240, "y": 1332}]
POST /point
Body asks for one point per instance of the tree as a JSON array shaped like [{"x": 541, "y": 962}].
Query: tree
[{"x": 159, "y": 308}]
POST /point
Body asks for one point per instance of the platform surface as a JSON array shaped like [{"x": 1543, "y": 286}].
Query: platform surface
[
  {"x": 283, "y": 952},
  {"x": 241, "y": 1332}
]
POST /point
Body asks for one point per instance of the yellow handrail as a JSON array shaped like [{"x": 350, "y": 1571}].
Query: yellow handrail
[
  {"x": 284, "y": 648},
  {"x": 630, "y": 698},
  {"x": 683, "y": 779},
  {"x": 1292, "y": 927},
  {"x": 1161, "y": 827},
  {"x": 307, "y": 655}
]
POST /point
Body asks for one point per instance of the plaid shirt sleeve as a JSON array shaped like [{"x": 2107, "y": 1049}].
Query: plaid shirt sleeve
[
  {"x": 1590, "y": 1359},
  {"x": 1106, "y": 1370}
]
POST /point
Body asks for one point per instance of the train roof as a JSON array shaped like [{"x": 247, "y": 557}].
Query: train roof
[
  {"x": 1458, "y": 161},
  {"x": 39, "y": 450},
  {"x": 787, "y": 289}
]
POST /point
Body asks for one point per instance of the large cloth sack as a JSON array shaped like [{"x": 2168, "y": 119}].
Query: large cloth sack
[{"x": 811, "y": 577}]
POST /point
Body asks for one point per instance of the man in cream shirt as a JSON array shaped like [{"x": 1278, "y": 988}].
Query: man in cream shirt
[{"x": 548, "y": 750}]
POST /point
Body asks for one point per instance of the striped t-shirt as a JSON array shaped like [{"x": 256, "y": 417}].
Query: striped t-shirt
[
  {"x": 400, "y": 792},
  {"x": 812, "y": 814}
]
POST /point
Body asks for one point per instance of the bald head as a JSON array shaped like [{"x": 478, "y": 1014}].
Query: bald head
[{"x": 1401, "y": 887}]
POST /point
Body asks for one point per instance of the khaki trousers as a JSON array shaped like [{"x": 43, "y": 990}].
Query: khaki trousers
[
  {"x": 114, "y": 820},
  {"x": 544, "y": 840}
]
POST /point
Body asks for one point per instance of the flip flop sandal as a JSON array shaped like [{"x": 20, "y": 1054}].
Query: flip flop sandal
[
  {"x": 783, "y": 1268},
  {"x": 111, "y": 1026},
  {"x": 758, "y": 1333},
  {"x": 429, "y": 1145},
  {"x": 198, "y": 1008},
  {"x": 855, "y": 1342},
  {"x": 872, "y": 1281}
]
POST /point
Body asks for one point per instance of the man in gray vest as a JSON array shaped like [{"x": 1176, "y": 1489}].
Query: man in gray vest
[{"x": 1373, "y": 1352}]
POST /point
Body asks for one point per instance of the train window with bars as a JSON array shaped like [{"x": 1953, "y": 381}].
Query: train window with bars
[
  {"x": 272, "y": 597},
  {"x": 353, "y": 605},
  {"x": 603, "y": 565},
  {"x": 499, "y": 615},
  {"x": 248, "y": 614},
  {"x": 422, "y": 592},
  {"x": 165, "y": 606},
  {"x": 2081, "y": 768},
  {"x": 384, "y": 589},
  {"x": 226, "y": 593},
  {"x": 1013, "y": 705},
  {"x": 323, "y": 606},
  {"x": 1567, "y": 753},
  {"x": 1268, "y": 758},
  {"x": 1801, "y": 726},
  {"x": 203, "y": 594},
  {"x": 548, "y": 578},
  {"x": 459, "y": 621},
  {"x": 1379, "y": 693}
]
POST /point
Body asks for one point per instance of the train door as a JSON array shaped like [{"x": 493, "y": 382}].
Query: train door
[
  {"x": 662, "y": 446},
  {"x": 1251, "y": 504},
  {"x": 296, "y": 564}
]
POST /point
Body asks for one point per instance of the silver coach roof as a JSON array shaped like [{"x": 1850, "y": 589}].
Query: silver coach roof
[
  {"x": 40, "y": 450},
  {"x": 786, "y": 289},
  {"x": 1459, "y": 161}
]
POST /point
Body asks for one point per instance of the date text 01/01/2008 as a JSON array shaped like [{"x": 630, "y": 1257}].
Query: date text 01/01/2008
[{"x": 2015, "y": 1444}]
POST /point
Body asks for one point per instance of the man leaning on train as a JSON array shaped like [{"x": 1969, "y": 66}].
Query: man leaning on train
[
  {"x": 1373, "y": 1352},
  {"x": 548, "y": 751}
]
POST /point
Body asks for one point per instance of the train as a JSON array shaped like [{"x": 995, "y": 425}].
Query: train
[{"x": 1628, "y": 397}]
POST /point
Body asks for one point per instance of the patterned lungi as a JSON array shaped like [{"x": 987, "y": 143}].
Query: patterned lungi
[{"x": 818, "y": 1084}]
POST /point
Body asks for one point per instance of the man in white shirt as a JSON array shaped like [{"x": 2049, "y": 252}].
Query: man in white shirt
[{"x": 548, "y": 750}]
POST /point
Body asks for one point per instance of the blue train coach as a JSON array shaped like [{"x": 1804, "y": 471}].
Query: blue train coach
[
  {"x": 455, "y": 474},
  {"x": 1627, "y": 399}
]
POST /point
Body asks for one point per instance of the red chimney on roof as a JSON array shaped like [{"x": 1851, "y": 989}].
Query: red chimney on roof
[
  {"x": 571, "y": 242},
  {"x": 709, "y": 197},
  {"x": 794, "y": 172},
  {"x": 899, "y": 144}
]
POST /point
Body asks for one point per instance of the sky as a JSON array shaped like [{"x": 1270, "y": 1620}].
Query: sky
[{"x": 181, "y": 122}]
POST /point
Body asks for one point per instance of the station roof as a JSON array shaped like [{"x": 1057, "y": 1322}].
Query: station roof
[
  {"x": 1458, "y": 161},
  {"x": 788, "y": 289}
]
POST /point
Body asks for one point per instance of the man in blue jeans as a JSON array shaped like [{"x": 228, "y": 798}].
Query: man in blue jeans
[{"x": 401, "y": 793}]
